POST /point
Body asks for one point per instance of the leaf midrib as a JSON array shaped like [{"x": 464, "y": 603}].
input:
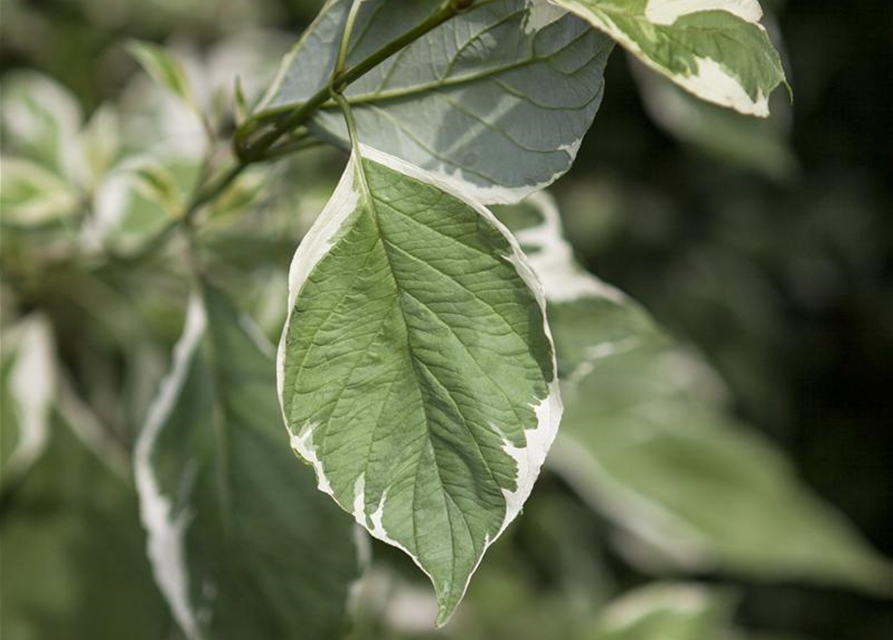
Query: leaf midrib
[
  {"x": 379, "y": 96},
  {"x": 453, "y": 81},
  {"x": 415, "y": 361}
]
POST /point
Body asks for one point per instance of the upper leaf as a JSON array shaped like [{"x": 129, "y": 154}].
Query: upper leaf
[
  {"x": 716, "y": 49},
  {"x": 416, "y": 369},
  {"x": 241, "y": 543},
  {"x": 497, "y": 99}
]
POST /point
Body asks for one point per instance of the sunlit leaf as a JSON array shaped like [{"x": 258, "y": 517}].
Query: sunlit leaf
[
  {"x": 417, "y": 371},
  {"x": 715, "y": 49},
  {"x": 648, "y": 442}
]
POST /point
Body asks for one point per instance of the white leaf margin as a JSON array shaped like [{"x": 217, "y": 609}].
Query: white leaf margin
[
  {"x": 166, "y": 530},
  {"x": 562, "y": 278},
  {"x": 32, "y": 388},
  {"x": 315, "y": 246},
  {"x": 666, "y": 12}
]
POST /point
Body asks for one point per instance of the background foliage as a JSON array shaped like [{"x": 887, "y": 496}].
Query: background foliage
[{"x": 767, "y": 248}]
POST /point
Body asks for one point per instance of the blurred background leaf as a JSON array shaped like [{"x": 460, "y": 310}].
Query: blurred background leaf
[{"x": 73, "y": 552}]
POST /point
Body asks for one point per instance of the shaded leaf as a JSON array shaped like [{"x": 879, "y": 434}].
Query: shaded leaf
[
  {"x": 496, "y": 100},
  {"x": 242, "y": 545}
]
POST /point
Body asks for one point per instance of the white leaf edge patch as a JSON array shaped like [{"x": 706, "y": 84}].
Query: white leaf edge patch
[
  {"x": 554, "y": 263},
  {"x": 711, "y": 82},
  {"x": 314, "y": 247},
  {"x": 32, "y": 385},
  {"x": 668, "y": 11},
  {"x": 565, "y": 281},
  {"x": 166, "y": 531}
]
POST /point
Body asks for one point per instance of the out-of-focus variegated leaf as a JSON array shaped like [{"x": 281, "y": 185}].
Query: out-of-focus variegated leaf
[
  {"x": 165, "y": 69},
  {"x": 101, "y": 143},
  {"x": 139, "y": 199},
  {"x": 242, "y": 545},
  {"x": 670, "y": 611},
  {"x": 647, "y": 441},
  {"x": 759, "y": 145},
  {"x": 27, "y": 390},
  {"x": 41, "y": 122},
  {"x": 156, "y": 183},
  {"x": 74, "y": 562},
  {"x": 32, "y": 196},
  {"x": 589, "y": 318}
]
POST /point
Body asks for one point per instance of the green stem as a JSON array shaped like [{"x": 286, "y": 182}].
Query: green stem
[
  {"x": 344, "y": 104},
  {"x": 247, "y": 152},
  {"x": 344, "y": 46},
  {"x": 250, "y": 152}
]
